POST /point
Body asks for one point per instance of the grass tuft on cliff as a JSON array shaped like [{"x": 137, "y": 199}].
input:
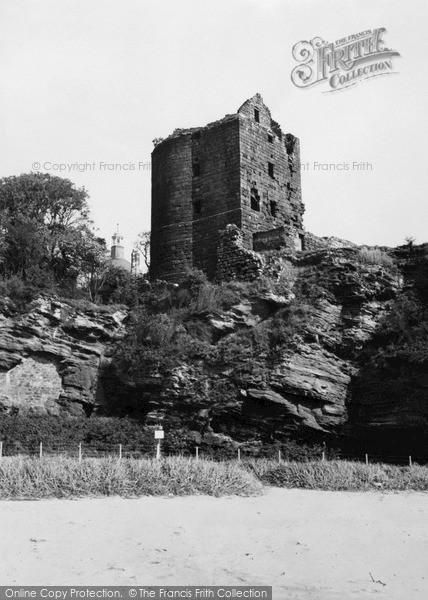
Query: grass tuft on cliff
[
  {"x": 62, "y": 477},
  {"x": 339, "y": 475}
]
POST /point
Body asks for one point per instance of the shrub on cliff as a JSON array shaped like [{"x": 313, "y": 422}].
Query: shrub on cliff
[
  {"x": 20, "y": 293},
  {"x": 374, "y": 256},
  {"x": 400, "y": 344},
  {"x": 402, "y": 337},
  {"x": 117, "y": 286},
  {"x": 23, "y": 433},
  {"x": 157, "y": 343},
  {"x": 198, "y": 295},
  {"x": 168, "y": 326},
  {"x": 287, "y": 326},
  {"x": 394, "y": 362},
  {"x": 172, "y": 325}
]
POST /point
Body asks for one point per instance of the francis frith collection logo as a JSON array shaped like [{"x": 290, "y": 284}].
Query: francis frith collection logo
[{"x": 343, "y": 63}]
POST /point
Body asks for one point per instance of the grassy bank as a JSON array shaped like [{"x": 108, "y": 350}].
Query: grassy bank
[
  {"x": 62, "y": 477},
  {"x": 339, "y": 475}
]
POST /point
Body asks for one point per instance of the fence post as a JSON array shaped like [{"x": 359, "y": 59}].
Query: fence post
[
  {"x": 197, "y": 452},
  {"x": 410, "y": 461},
  {"x": 1, "y": 449},
  {"x": 120, "y": 451},
  {"x": 158, "y": 450},
  {"x": 279, "y": 456},
  {"x": 367, "y": 459},
  {"x": 239, "y": 453},
  {"x": 80, "y": 452},
  {"x": 41, "y": 450},
  {"x": 323, "y": 456}
]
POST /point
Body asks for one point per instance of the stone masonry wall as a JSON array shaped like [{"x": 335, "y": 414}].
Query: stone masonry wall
[
  {"x": 313, "y": 242},
  {"x": 240, "y": 170},
  {"x": 215, "y": 189},
  {"x": 270, "y": 175},
  {"x": 52, "y": 356},
  {"x": 195, "y": 193},
  {"x": 34, "y": 385},
  {"x": 235, "y": 261},
  {"x": 172, "y": 213}
]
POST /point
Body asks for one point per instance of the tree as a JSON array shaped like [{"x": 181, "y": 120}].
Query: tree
[
  {"x": 23, "y": 246},
  {"x": 53, "y": 200},
  {"x": 81, "y": 261},
  {"x": 45, "y": 228},
  {"x": 119, "y": 286},
  {"x": 143, "y": 246}
]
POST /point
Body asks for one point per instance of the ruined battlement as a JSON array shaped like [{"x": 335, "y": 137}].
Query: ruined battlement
[{"x": 240, "y": 170}]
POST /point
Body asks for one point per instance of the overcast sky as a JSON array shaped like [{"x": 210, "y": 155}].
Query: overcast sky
[{"x": 90, "y": 81}]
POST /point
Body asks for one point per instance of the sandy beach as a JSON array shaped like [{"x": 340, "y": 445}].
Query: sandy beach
[{"x": 306, "y": 544}]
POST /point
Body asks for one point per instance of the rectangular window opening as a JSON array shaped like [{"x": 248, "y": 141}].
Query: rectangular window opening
[
  {"x": 273, "y": 208},
  {"x": 270, "y": 169},
  {"x": 255, "y": 200},
  {"x": 257, "y": 115},
  {"x": 270, "y": 138}
]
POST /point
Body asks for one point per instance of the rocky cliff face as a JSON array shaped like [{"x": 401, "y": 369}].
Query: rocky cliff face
[
  {"x": 322, "y": 321},
  {"x": 307, "y": 382},
  {"x": 51, "y": 355},
  {"x": 289, "y": 356}
]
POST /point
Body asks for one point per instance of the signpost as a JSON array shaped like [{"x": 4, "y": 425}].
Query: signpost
[{"x": 159, "y": 435}]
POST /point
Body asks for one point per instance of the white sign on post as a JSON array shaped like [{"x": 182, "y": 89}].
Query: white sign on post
[{"x": 159, "y": 434}]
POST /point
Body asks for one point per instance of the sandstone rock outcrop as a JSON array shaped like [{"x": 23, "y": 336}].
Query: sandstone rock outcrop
[
  {"x": 50, "y": 356},
  {"x": 308, "y": 385},
  {"x": 55, "y": 359}
]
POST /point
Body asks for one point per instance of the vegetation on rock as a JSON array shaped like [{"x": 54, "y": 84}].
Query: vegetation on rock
[
  {"x": 46, "y": 235},
  {"x": 324, "y": 344},
  {"x": 346, "y": 308},
  {"x": 47, "y": 244}
]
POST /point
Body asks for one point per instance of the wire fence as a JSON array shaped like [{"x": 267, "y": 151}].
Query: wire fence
[{"x": 123, "y": 451}]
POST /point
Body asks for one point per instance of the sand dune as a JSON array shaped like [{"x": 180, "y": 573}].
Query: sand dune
[{"x": 306, "y": 544}]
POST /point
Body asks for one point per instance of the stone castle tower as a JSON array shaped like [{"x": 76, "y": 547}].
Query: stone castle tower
[{"x": 241, "y": 170}]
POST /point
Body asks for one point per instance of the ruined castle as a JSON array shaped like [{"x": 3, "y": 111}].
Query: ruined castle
[{"x": 223, "y": 193}]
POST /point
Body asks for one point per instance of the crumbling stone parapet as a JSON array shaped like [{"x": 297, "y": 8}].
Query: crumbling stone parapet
[
  {"x": 313, "y": 242},
  {"x": 233, "y": 260}
]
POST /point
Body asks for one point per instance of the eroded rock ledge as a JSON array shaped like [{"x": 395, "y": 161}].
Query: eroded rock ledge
[{"x": 50, "y": 356}]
